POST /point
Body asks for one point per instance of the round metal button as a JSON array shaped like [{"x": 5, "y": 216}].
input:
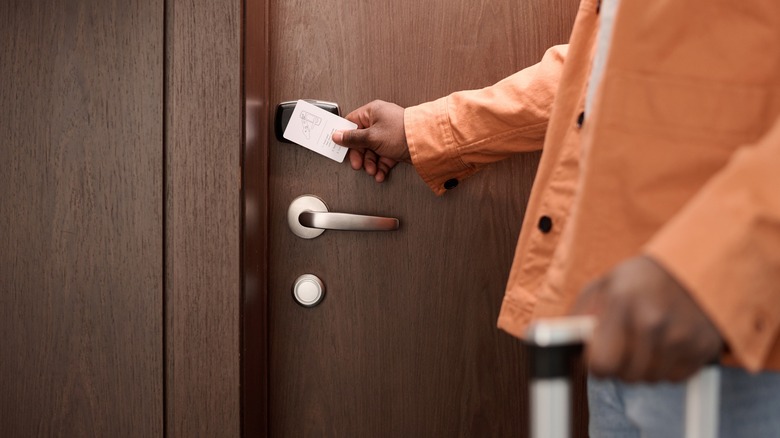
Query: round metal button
[{"x": 308, "y": 290}]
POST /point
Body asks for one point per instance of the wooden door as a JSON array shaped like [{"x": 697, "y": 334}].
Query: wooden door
[
  {"x": 119, "y": 218},
  {"x": 405, "y": 342},
  {"x": 81, "y": 222}
]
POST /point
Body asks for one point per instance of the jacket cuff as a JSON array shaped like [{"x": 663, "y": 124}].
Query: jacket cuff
[
  {"x": 723, "y": 247},
  {"x": 437, "y": 160}
]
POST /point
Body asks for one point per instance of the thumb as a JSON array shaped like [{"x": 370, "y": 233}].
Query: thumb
[{"x": 353, "y": 138}]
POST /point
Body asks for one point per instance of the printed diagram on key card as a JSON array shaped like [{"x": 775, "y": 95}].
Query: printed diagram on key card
[
  {"x": 308, "y": 121},
  {"x": 312, "y": 127}
]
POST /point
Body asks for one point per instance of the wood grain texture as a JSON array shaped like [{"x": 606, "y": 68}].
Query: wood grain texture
[
  {"x": 204, "y": 111},
  {"x": 405, "y": 342},
  {"x": 254, "y": 310},
  {"x": 81, "y": 282}
]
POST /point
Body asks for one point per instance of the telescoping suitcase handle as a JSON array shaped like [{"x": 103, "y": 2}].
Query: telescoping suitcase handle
[{"x": 553, "y": 342}]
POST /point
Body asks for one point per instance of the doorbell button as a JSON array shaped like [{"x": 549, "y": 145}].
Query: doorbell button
[{"x": 308, "y": 290}]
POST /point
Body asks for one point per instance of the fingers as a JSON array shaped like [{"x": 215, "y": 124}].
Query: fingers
[
  {"x": 648, "y": 327},
  {"x": 591, "y": 299},
  {"x": 369, "y": 162},
  {"x": 376, "y": 166},
  {"x": 362, "y": 116},
  {"x": 607, "y": 350},
  {"x": 379, "y": 143},
  {"x": 355, "y": 158},
  {"x": 354, "y": 138},
  {"x": 640, "y": 364},
  {"x": 358, "y": 138},
  {"x": 384, "y": 165}
]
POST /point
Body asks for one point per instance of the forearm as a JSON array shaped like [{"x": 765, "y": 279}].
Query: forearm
[
  {"x": 724, "y": 245},
  {"x": 455, "y": 136}
]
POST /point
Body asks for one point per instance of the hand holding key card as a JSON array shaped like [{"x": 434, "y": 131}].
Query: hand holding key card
[{"x": 313, "y": 127}]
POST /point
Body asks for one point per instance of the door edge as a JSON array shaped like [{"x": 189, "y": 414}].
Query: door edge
[{"x": 254, "y": 220}]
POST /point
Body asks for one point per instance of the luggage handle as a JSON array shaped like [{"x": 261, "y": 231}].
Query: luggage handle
[{"x": 554, "y": 341}]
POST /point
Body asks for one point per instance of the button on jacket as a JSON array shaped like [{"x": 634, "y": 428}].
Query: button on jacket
[{"x": 679, "y": 159}]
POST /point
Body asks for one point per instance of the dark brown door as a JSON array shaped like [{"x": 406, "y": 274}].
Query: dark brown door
[
  {"x": 404, "y": 343},
  {"x": 81, "y": 223},
  {"x": 119, "y": 218}
]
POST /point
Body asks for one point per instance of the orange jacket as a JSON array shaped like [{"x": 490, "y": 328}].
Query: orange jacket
[{"x": 680, "y": 160}]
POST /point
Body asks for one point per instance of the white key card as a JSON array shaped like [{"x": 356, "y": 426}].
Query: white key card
[{"x": 312, "y": 127}]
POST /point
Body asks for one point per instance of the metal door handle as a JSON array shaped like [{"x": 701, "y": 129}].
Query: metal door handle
[
  {"x": 308, "y": 217},
  {"x": 347, "y": 222}
]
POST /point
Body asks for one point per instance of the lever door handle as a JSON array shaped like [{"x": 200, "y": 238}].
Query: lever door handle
[
  {"x": 308, "y": 217},
  {"x": 346, "y": 221}
]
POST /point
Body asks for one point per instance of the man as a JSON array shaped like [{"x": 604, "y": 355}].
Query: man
[{"x": 655, "y": 205}]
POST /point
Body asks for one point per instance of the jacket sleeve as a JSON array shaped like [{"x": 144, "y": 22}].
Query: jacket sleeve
[
  {"x": 455, "y": 136},
  {"x": 724, "y": 246}
]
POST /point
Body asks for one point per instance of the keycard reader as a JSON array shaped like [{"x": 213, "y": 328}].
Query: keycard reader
[{"x": 285, "y": 109}]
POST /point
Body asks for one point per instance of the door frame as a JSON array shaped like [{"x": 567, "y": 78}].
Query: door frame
[{"x": 254, "y": 219}]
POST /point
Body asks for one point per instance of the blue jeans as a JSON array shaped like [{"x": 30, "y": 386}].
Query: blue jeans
[{"x": 749, "y": 407}]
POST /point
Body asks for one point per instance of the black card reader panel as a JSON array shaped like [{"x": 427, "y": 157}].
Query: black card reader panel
[{"x": 285, "y": 109}]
